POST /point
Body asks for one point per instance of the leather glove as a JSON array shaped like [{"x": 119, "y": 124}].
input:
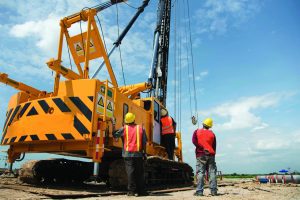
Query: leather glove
[{"x": 144, "y": 156}]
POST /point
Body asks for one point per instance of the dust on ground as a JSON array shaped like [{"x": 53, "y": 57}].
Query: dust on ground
[{"x": 228, "y": 189}]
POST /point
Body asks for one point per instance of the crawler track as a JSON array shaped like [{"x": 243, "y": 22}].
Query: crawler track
[
  {"x": 55, "y": 171},
  {"x": 62, "y": 171}
]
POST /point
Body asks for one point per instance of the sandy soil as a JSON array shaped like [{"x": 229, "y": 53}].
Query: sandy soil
[
  {"x": 231, "y": 189},
  {"x": 244, "y": 191}
]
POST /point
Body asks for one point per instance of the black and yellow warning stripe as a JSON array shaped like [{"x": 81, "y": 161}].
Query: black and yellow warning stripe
[
  {"x": 8, "y": 120},
  {"x": 82, "y": 107},
  {"x": 76, "y": 105},
  {"x": 49, "y": 136}
]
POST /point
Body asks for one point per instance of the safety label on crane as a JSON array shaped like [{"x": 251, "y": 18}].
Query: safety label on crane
[
  {"x": 92, "y": 46},
  {"x": 109, "y": 110},
  {"x": 109, "y": 92},
  {"x": 109, "y": 106},
  {"x": 100, "y": 102},
  {"x": 79, "y": 48},
  {"x": 100, "y": 106}
]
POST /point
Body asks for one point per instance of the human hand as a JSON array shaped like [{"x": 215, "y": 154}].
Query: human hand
[{"x": 113, "y": 121}]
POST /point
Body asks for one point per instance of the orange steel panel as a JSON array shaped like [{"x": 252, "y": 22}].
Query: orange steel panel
[
  {"x": 47, "y": 147},
  {"x": 82, "y": 87},
  {"x": 69, "y": 116},
  {"x": 79, "y": 54}
]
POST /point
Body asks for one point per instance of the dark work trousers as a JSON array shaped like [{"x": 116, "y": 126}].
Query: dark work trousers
[
  {"x": 135, "y": 172},
  {"x": 204, "y": 162},
  {"x": 168, "y": 141}
]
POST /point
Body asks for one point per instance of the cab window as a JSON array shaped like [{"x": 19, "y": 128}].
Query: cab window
[
  {"x": 156, "y": 111},
  {"x": 125, "y": 110}
]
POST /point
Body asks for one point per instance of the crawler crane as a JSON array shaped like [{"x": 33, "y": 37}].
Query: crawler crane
[{"x": 79, "y": 116}]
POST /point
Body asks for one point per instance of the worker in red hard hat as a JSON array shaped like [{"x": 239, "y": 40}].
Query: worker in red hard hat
[
  {"x": 134, "y": 152},
  {"x": 205, "y": 142},
  {"x": 168, "y": 133}
]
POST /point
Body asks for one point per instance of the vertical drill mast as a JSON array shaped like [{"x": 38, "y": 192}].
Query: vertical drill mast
[{"x": 159, "y": 66}]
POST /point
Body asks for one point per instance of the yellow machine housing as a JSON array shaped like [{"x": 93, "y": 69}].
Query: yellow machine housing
[{"x": 68, "y": 123}]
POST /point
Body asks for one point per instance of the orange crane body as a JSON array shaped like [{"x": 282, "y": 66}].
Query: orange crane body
[{"x": 67, "y": 120}]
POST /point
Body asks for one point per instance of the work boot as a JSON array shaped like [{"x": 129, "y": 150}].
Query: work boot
[
  {"x": 214, "y": 193},
  {"x": 198, "y": 194},
  {"x": 130, "y": 193},
  {"x": 144, "y": 193}
]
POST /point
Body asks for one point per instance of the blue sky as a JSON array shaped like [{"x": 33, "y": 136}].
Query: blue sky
[{"x": 246, "y": 58}]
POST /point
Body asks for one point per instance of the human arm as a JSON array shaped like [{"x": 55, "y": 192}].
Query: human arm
[
  {"x": 118, "y": 133},
  {"x": 195, "y": 139},
  {"x": 174, "y": 124},
  {"x": 144, "y": 141},
  {"x": 214, "y": 145}
]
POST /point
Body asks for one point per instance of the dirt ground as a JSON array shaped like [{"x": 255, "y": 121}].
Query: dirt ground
[{"x": 228, "y": 189}]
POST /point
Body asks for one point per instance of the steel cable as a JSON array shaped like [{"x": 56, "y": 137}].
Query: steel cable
[
  {"x": 192, "y": 57},
  {"x": 120, "y": 53},
  {"x": 188, "y": 63}
]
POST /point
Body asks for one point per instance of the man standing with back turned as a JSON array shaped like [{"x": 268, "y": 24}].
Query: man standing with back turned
[
  {"x": 168, "y": 133},
  {"x": 134, "y": 152},
  {"x": 205, "y": 142}
]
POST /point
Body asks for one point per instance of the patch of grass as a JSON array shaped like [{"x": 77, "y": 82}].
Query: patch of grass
[{"x": 234, "y": 175}]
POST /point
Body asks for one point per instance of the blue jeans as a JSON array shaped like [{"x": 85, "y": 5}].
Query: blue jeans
[{"x": 203, "y": 163}]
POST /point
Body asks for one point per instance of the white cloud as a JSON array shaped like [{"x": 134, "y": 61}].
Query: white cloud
[
  {"x": 217, "y": 16},
  {"x": 46, "y": 31},
  {"x": 271, "y": 140},
  {"x": 272, "y": 144},
  {"x": 30, "y": 9},
  {"x": 201, "y": 75},
  {"x": 260, "y": 127},
  {"x": 296, "y": 136},
  {"x": 43, "y": 34},
  {"x": 239, "y": 114}
]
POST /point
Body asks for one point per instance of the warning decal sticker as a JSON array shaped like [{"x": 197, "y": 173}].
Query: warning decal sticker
[
  {"x": 100, "y": 106},
  {"x": 100, "y": 102},
  {"x": 92, "y": 46},
  {"x": 78, "y": 48},
  {"x": 109, "y": 110},
  {"x": 109, "y": 107}
]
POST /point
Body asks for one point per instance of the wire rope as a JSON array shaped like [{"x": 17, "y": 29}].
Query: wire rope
[
  {"x": 180, "y": 76},
  {"x": 175, "y": 57},
  {"x": 81, "y": 35},
  {"x": 129, "y": 5},
  {"x": 188, "y": 63},
  {"x": 120, "y": 53},
  {"x": 192, "y": 59},
  {"x": 69, "y": 54},
  {"x": 102, "y": 32}
]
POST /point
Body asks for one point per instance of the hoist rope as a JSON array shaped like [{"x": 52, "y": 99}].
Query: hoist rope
[
  {"x": 129, "y": 5},
  {"x": 180, "y": 76},
  {"x": 120, "y": 53},
  {"x": 102, "y": 32},
  {"x": 192, "y": 59},
  {"x": 188, "y": 63},
  {"x": 175, "y": 58},
  {"x": 69, "y": 55},
  {"x": 81, "y": 35}
]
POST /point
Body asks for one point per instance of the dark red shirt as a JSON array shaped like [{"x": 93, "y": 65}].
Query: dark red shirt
[{"x": 206, "y": 135}]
